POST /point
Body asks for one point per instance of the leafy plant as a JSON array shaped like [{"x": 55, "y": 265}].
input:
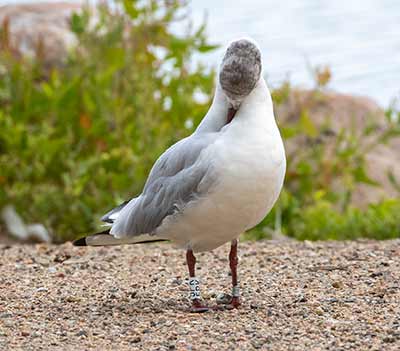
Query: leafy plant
[
  {"x": 77, "y": 139},
  {"x": 323, "y": 171}
]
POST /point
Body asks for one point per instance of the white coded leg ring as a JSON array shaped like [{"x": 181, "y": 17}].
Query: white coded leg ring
[{"x": 194, "y": 285}]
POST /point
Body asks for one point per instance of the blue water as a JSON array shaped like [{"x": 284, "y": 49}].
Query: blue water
[{"x": 358, "y": 39}]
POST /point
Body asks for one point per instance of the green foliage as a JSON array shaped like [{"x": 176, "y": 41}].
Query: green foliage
[
  {"x": 323, "y": 222},
  {"x": 77, "y": 139},
  {"x": 322, "y": 174}
]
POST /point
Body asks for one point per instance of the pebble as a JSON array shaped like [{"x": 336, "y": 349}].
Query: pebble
[
  {"x": 295, "y": 296},
  {"x": 337, "y": 284},
  {"x": 82, "y": 333},
  {"x": 223, "y": 299}
]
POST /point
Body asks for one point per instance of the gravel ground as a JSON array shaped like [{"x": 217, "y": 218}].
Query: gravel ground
[{"x": 296, "y": 296}]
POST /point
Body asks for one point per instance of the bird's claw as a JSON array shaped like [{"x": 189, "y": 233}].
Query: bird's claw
[
  {"x": 227, "y": 302},
  {"x": 235, "y": 303},
  {"x": 198, "y": 307}
]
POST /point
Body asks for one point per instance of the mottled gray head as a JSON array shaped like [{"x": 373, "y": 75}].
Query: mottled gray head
[{"x": 240, "y": 69}]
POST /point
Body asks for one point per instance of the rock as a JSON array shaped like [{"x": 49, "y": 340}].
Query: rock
[
  {"x": 223, "y": 299},
  {"x": 337, "y": 284},
  {"x": 136, "y": 339},
  {"x": 5, "y": 315},
  {"x": 52, "y": 270},
  {"x": 348, "y": 112},
  {"x": 61, "y": 257},
  {"x": 301, "y": 298},
  {"x": 21, "y": 231},
  {"x": 40, "y": 26},
  {"x": 82, "y": 333},
  {"x": 332, "y": 300}
]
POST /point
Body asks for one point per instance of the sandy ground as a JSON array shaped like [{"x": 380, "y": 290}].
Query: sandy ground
[{"x": 296, "y": 296}]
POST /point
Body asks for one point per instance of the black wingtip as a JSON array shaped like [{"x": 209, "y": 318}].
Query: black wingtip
[{"x": 80, "y": 242}]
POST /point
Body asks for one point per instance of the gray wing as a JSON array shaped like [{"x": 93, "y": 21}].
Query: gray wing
[
  {"x": 112, "y": 215},
  {"x": 176, "y": 178}
]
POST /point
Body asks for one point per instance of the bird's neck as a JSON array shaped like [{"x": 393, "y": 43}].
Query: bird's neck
[
  {"x": 258, "y": 104},
  {"x": 216, "y": 116}
]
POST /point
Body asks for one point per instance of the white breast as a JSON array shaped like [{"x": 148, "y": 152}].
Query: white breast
[{"x": 249, "y": 161}]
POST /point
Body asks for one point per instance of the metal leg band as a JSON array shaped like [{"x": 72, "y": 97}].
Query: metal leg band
[{"x": 235, "y": 291}]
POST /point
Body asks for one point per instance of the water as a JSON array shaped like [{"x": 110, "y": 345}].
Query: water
[{"x": 358, "y": 39}]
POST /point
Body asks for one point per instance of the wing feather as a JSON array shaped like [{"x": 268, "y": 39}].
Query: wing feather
[
  {"x": 177, "y": 177},
  {"x": 112, "y": 215}
]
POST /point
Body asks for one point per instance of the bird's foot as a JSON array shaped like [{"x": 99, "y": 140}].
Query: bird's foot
[
  {"x": 198, "y": 307},
  {"x": 226, "y": 301},
  {"x": 235, "y": 303}
]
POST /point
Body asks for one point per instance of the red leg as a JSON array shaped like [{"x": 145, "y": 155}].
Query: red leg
[
  {"x": 194, "y": 284},
  {"x": 233, "y": 263}
]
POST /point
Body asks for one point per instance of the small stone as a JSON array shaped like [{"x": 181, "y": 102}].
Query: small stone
[
  {"x": 5, "y": 315},
  {"x": 257, "y": 344},
  {"x": 82, "y": 333},
  {"x": 376, "y": 274},
  {"x": 308, "y": 244},
  {"x": 136, "y": 339},
  {"x": 337, "y": 284},
  {"x": 9, "y": 324},
  {"x": 332, "y": 300},
  {"x": 72, "y": 298},
  {"x": 301, "y": 298},
  {"x": 61, "y": 257},
  {"x": 389, "y": 339},
  {"x": 176, "y": 281},
  {"x": 223, "y": 299},
  {"x": 19, "y": 266},
  {"x": 350, "y": 299}
]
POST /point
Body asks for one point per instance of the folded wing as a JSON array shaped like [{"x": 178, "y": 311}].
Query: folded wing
[{"x": 179, "y": 176}]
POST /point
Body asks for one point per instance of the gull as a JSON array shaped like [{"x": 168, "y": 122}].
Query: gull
[{"x": 222, "y": 180}]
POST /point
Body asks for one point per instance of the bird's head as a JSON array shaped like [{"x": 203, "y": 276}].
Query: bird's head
[{"x": 240, "y": 71}]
